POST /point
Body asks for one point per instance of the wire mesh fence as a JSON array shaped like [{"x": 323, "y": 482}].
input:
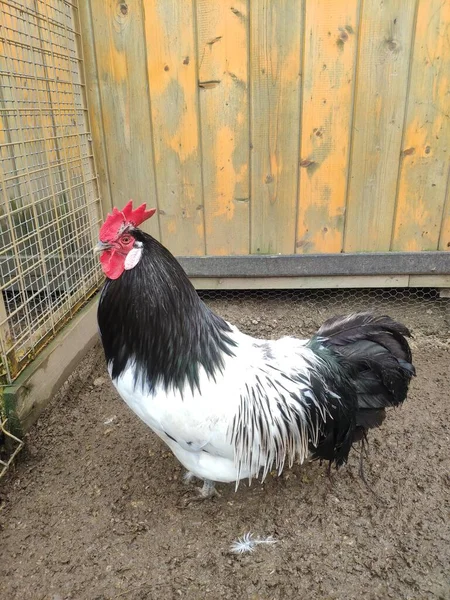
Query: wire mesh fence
[
  {"x": 49, "y": 200},
  {"x": 274, "y": 313}
]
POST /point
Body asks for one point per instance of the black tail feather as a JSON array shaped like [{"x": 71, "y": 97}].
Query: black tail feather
[
  {"x": 378, "y": 355},
  {"x": 369, "y": 418}
]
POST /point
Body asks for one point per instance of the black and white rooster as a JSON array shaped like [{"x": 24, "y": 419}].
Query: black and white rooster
[{"x": 230, "y": 406}]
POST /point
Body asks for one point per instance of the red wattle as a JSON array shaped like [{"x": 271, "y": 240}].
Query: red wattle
[{"x": 113, "y": 264}]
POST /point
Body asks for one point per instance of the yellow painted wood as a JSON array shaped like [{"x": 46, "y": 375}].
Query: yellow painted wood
[
  {"x": 276, "y": 30},
  {"x": 224, "y": 101},
  {"x": 444, "y": 238},
  {"x": 426, "y": 145},
  {"x": 177, "y": 81},
  {"x": 385, "y": 41},
  {"x": 120, "y": 53},
  {"x": 172, "y": 74},
  {"x": 329, "y": 65},
  {"x": 95, "y": 105}
]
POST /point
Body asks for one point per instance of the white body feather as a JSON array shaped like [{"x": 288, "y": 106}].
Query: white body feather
[{"x": 198, "y": 426}]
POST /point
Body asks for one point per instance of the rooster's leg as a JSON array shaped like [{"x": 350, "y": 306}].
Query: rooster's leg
[
  {"x": 188, "y": 477},
  {"x": 208, "y": 490}
]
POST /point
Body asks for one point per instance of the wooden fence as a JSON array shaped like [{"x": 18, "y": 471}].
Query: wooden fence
[{"x": 275, "y": 127}]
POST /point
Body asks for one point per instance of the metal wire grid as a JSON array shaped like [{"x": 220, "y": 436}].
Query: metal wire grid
[
  {"x": 272, "y": 313},
  {"x": 49, "y": 201}
]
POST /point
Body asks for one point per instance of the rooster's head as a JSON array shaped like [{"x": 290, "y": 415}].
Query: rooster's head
[{"x": 118, "y": 247}]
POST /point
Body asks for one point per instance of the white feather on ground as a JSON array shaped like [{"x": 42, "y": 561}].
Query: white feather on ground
[{"x": 248, "y": 543}]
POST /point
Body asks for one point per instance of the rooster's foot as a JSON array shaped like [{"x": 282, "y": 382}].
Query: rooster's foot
[{"x": 208, "y": 491}]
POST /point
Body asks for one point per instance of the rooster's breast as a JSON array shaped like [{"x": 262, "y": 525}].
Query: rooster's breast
[{"x": 193, "y": 423}]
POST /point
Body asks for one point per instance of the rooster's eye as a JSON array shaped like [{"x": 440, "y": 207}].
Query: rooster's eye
[{"x": 126, "y": 239}]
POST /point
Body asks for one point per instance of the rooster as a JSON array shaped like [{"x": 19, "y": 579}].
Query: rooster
[{"x": 228, "y": 405}]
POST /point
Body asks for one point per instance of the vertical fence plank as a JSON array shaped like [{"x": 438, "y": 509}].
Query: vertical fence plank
[
  {"x": 120, "y": 53},
  {"x": 426, "y": 151},
  {"x": 329, "y": 64},
  {"x": 172, "y": 74},
  {"x": 444, "y": 238},
  {"x": 385, "y": 40},
  {"x": 276, "y": 30},
  {"x": 224, "y": 102},
  {"x": 95, "y": 104}
]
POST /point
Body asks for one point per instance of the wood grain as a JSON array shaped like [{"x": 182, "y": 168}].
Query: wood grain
[
  {"x": 425, "y": 152},
  {"x": 386, "y": 31},
  {"x": 172, "y": 74},
  {"x": 223, "y": 47},
  {"x": 329, "y": 65},
  {"x": 276, "y": 30}
]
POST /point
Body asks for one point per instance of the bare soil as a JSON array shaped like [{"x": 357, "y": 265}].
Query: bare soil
[{"x": 95, "y": 507}]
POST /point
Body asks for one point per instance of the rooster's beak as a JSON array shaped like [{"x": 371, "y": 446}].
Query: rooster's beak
[{"x": 101, "y": 247}]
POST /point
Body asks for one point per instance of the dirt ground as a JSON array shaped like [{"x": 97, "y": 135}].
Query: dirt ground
[{"x": 95, "y": 509}]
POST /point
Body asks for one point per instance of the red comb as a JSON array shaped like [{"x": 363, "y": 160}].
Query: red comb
[
  {"x": 139, "y": 215},
  {"x": 119, "y": 219}
]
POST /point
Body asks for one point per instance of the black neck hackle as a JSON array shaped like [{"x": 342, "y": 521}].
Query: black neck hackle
[{"x": 153, "y": 317}]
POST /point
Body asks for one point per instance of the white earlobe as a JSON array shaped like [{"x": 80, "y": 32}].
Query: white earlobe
[{"x": 132, "y": 258}]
